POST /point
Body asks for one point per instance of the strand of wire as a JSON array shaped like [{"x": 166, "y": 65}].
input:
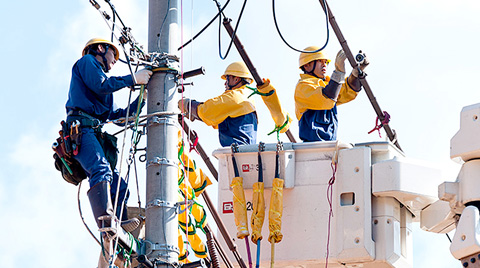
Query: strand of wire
[
  {"x": 206, "y": 26},
  {"x": 140, "y": 98},
  {"x": 288, "y": 44},
  {"x": 234, "y": 31},
  {"x": 330, "y": 203},
  {"x": 129, "y": 58},
  {"x": 181, "y": 68},
  {"x": 81, "y": 214}
]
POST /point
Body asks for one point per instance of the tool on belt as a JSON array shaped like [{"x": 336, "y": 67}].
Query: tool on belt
[
  {"x": 65, "y": 147},
  {"x": 68, "y": 145}
]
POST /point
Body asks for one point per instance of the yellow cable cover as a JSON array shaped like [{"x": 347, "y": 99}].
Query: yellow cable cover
[
  {"x": 182, "y": 257},
  {"x": 258, "y": 214},
  {"x": 276, "y": 210},
  {"x": 309, "y": 95},
  {"x": 197, "y": 245},
  {"x": 199, "y": 214},
  {"x": 194, "y": 240},
  {"x": 196, "y": 177},
  {"x": 239, "y": 207},
  {"x": 232, "y": 103},
  {"x": 272, "y": 102}
]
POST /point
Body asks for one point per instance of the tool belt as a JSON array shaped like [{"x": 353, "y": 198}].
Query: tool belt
[
  {"x": 69, "y": 143},
  {"x": 107, "y": 141},
  {"x": 72, "y": 171}
]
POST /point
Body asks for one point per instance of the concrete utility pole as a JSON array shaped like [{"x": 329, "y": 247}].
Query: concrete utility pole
[{"x": 162, "y": 132}]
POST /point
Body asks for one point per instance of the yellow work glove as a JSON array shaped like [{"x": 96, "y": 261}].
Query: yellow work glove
[{"x": 143, "y": 76}]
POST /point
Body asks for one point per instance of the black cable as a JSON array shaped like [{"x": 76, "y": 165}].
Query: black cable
[
  {"x": 81, "y": 214},
  {"x": 285, "y": 41},
  {"x": 206, "y": 26},
  {"x": 115, "y": 12},
  {"x": 113, "y": 24},
  {"x": 161, "y": 26},
  {"x": 234, "y": 31}
]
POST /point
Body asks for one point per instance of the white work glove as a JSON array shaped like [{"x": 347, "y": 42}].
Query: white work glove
[
  {"x": 362, "y": 65},
  {"x": 143, "y": 76},
  {"x": 340, "y": 61},
  {"x": 189, "y": 108}
]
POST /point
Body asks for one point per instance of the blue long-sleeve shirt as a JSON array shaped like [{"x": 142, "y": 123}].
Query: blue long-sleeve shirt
[{"x": 91, "y": 90}]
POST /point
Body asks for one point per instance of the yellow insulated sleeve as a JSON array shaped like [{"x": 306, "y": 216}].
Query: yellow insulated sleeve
[
  {"x": 197, "y": 245},
  {"x": 199, "y": 214},
  {"x": 258, "y": 215},
  {"x": 194, "y": 240},
  {"x": 275, "y": 212},
  {"x": 197, "y": 178},
  {"x": 182, "y": 257},
  {"x": 239, "y": 207},
  {"x": 272, "y": 102}
]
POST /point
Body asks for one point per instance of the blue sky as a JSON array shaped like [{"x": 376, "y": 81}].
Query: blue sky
[{"x": 424, "y": 64}]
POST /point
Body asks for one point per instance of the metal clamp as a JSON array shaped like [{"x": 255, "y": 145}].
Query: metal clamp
[
  {"x": 150, "y": 247},
  {"x": 162, "y": 161},
  {"x": 155, "y": 120},
  {"x": 161, "y": 203},
  {"x": 179, "y": 206}
]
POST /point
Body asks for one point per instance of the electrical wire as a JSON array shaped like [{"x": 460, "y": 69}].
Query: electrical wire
[
  {"x": 81, "y": 214},
  {"x": 285, "y": 41},
  {"x": 220, "y": 28},
  {"x": 161, "y": 26},
  {"x": 206, "y": 26}
]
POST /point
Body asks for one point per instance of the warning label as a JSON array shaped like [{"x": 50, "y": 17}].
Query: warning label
[{"x": 227, "y": 207}]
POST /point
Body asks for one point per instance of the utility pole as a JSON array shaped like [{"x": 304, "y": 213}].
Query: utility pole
[{"x": 162, "y": 137}]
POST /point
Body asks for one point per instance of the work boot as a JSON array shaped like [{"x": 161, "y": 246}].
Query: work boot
[
  {"x": 99, "y": 196},
  {"x": 129, "y": 225}
]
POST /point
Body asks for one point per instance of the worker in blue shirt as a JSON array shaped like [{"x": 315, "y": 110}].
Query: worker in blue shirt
[
  {"x": 317, "y": 95},
  {"x": 90, "y": 102},
  {"x": 232, "y": 113}
]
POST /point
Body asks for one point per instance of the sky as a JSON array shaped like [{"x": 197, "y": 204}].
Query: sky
[{"x": 423, "y": 67}]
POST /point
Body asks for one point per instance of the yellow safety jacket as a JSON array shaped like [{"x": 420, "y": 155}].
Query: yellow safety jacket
[
  {"x": 232, "y": 103},
  {"x": 317, "y": 113},
  {"x": 309, "y": 95}
]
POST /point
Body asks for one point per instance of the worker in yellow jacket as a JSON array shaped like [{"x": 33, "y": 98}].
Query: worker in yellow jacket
[
  {"x": 317, "y": 95},
  {"x": 232, "y": 113}
]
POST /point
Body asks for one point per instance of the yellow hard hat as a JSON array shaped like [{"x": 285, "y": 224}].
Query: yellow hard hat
[
  {"x": 100, "y": 41},
  {"x": 238, "y": 69},
  {"x": 308, "y": 57}
]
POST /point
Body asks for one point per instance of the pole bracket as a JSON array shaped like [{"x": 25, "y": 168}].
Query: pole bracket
[
  {"x": 157, "y": 161},
  {"x": 149, "y": 247},
  {"x": 156, "y": 120},
  {"x": 161, "y": 203}
]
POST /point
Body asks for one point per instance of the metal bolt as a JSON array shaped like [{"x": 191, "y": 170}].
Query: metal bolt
[
  {"x": 464, "y": 237},
  {"x": 465, "y": 264},
  {"x": 472, "y": 260},
  {"x": 356, "y": 169},
  {"x": 357, "y": 240},
  {"x": 357, "y": 209}
]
